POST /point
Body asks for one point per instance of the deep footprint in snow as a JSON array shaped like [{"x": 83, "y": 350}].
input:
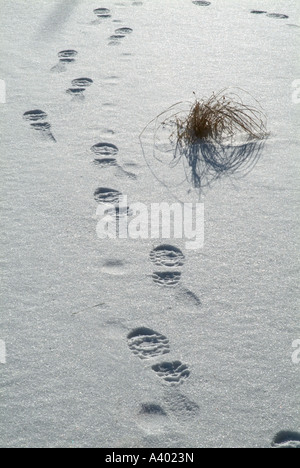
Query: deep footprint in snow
[
  {"x": 120, "y": 33},
  {"x": 167, "y": 256},
  {"x": 147, "y": 344},
  {"x": 106, "y": 162},
  {"x": 166, "y": 278},
  {"x": 173, "y": 373},
  {"x": 123, "y": 31},
  {"x": 201, "y": 3},
  {"x": 115, "y": 39},
  {"x": 277, "y": 15},
  {"x": 286, "y": 439},
  {"x": 107, "y": 195},
  {"x": 82, "y": 83},
  {"x": 102, "y": 14},
  {"x": 65, "y": 57},
  {"x": 35, "y": 115},
  {"x": 101, "y": 11},
  {"x": 79, "y": 85},
  {"x": 105, "y": 149}
]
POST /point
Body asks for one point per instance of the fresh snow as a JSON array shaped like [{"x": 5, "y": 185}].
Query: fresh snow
[{"x": 75, "y": 309}]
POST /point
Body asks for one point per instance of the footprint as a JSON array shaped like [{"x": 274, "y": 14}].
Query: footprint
[
  {"x": 102, "y": 13},
  {"x": 173, "y": 373},
  {"x": 106, "y": 162},
  {"x": 119, "y": 212},
  {"x": 35, "y": 115},
  {"x": 105, "y": 149},
  {"x": 76, "y": 93},
  {"x": 258, "y": 12},
  {"x": 44, "y": 128},
  {"x": 277, "y": 15},
  {"x": 78, "y": 87},
  {"x": 114, "y": 268},
  {"x": 123, "y": 31},
  {"x": 167, "y": 256},
  {"x": 65, "y": 57},
  {"x": 152, "y": 409},
  {"x": 180, "y": 405},
  {"x": 116, "y": 37},
  {"x": 166, "y": 279},
  {"x": 201, "y": 3},
  {"x": 147, "y": 344},
  {"x": 114, "y": 43},
  {"x": 152, "y": 418},
  {"x": 187, "y": 297},
  {"x": 107, "y": 195},
  {"x": 121, "y": 173},
  {"x": 82, "y": 82},
  {"x": 286, "y": 439}
]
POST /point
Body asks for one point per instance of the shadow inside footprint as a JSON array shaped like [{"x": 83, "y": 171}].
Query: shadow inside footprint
[
  {"x": 65, "y": 57},
  {"x": 82, "y": 82},
  {"x": 167, "y": 256},
  {"x": 123, "y": 31},
  {"x": 147, "y": 344},
  {"x": 167, "y": 279},
  {"x": 258, "y": 12},
  {"x": 152, "y": 409},
  {"x": 102, "y": 12},
  {"x": 201, "y": 3},
  {"x": 277, "y": 15},
  {"x": 106, "y": 162},
  {"x": 107, "y": 195},
  {"x": 76, "y": 93},
  {"x": 173, "y": 373},
  {"x": 105, "y": 149},
  {"x": 35, "y": 115},
  {"x": 286, "y": 439}
]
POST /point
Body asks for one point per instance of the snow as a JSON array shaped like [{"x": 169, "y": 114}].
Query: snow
[{"x": 70, "y": 299}]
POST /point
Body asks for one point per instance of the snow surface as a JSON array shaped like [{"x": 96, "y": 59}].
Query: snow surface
[{"x": 69, "y": 299}]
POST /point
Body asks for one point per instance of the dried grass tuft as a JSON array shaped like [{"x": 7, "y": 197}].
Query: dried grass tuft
[{"x": 217, "y": 136}]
